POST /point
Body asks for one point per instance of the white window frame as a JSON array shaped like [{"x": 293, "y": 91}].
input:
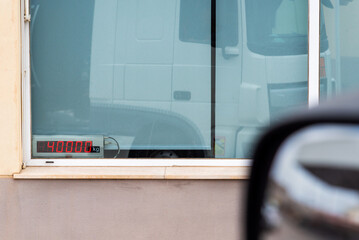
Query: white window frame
[
  {"x": 313, "y": 52},
  {"x": 313, "y": 100}
]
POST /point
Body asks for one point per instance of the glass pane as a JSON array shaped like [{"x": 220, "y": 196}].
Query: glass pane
[
  {"x": 119, "y": 69},
  {"x": 261, "y": 77},
  {"x": 340, "y": 56},
  {"x": 277, "y": 27},
  {"x": 142, "y": 75}
]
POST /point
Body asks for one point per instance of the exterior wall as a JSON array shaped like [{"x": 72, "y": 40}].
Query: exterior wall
[
  {"x": 10, "y": 87},
  {"x": 120, "y": 209}
]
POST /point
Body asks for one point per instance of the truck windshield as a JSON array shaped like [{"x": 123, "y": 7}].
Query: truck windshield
[{"x": 279, "y": 27}]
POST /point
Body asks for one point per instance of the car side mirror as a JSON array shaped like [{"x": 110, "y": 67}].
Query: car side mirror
[{"x": 305, "y": 178}]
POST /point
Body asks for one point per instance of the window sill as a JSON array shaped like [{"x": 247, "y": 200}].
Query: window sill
[{"x": 220, "y": 173}]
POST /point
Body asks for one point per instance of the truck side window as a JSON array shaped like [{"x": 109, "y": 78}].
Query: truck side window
[
  {"x": 227, "y": 23},
  {"x": 195, "y": 22}
]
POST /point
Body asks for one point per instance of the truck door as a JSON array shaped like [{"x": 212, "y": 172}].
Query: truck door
[
  {"x": 229, "y": 56},
  {"x": 193, "y": 83}
]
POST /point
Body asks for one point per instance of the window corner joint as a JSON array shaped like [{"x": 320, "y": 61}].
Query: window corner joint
[{"x": 27, "y": 17}]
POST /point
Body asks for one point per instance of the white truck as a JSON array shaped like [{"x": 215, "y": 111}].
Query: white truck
[
  {"x": 156, "y": 57},
  {"x": 173, "y": 78}
]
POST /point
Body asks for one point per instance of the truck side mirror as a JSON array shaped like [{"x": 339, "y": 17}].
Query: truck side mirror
[{"x": 229, "y": 52}]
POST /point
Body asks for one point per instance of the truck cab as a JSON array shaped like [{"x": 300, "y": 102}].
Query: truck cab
[{"x": 184, "y": 78}]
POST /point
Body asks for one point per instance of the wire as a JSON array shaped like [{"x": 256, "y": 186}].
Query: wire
[{"x": 118, "y": 146}]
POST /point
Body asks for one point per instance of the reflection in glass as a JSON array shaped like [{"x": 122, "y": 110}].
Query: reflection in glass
[
  {"x": 339, "y": 64},
  {"x": 154, "y": 76}
]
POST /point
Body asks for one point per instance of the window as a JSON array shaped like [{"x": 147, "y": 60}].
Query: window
[
  {"x": 195, "y": 23},
  {"x": 162, "y": 78},
  {"x": 339, "y": 63}
]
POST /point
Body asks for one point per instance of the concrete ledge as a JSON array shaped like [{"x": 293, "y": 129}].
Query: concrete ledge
[
  {"x": 207, "y": 172},
  {"x": 133, "y": 173}
]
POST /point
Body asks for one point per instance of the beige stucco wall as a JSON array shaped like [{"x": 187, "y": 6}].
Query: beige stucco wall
[
  {"x": 121, "y": 209},
  {"x": 10, "y": 87}
]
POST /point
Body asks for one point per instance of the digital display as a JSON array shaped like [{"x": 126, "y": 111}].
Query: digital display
[{"x": 67, "y": 147}]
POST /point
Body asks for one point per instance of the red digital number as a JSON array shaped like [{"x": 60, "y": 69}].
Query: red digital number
[
  {"x": 58, "y": 145},
  {"x": 71, "y": 143},
  {"x": 78, "y": 147},
  {"x": 51, "y": 146},
  {"x": 88, "y": 146}
]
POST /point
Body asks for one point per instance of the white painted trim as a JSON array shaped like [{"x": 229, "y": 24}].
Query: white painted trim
[
  {"x": 140, "y": 162},
  {"x": 26, "y": 84},
  {"x": 313, "y": 52}
]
